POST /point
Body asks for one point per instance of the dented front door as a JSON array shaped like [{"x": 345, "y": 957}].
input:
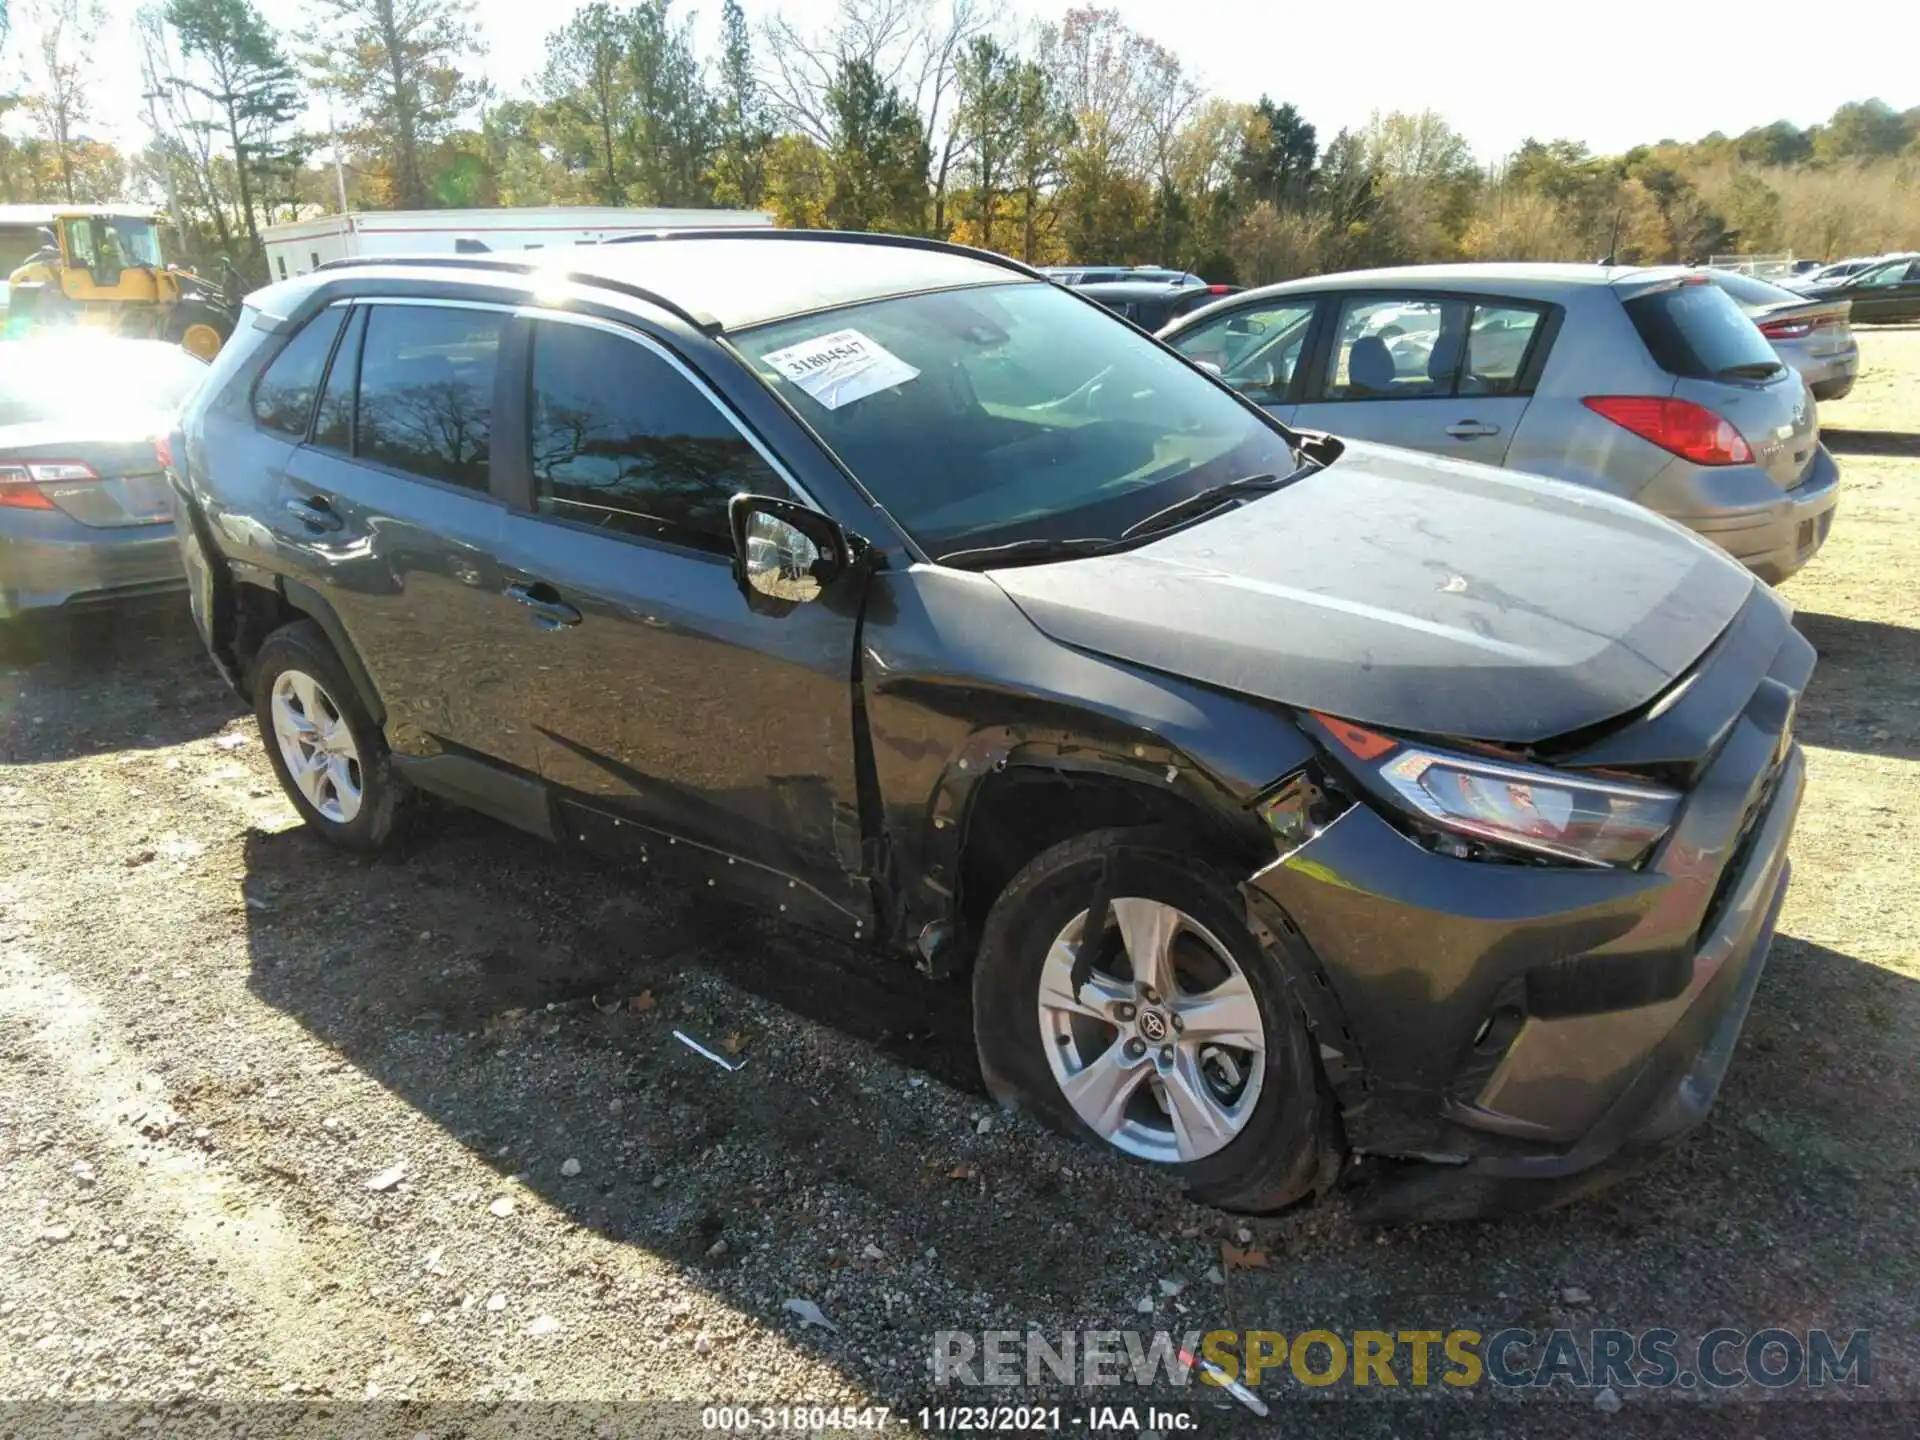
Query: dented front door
[
  {"x": 660, "y": 701},
  {"x": 659, "y": 698}
]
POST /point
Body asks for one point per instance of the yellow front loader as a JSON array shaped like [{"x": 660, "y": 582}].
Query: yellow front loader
[{"x": 102, "y": 266}]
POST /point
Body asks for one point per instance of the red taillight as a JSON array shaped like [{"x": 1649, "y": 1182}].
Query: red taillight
[
  {"x": 20, "y": 483},
  {"x": 1788, "y": 329},
  {"x": 1690, "y": 431},
  {"x": 18, "y": 492},
  {"x": 163, "y": 451},
  {"x": 1219, "y": 289}
]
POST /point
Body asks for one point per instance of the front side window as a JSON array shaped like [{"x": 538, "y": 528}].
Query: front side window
[
  {"x": 999, "y": 413},
  {"x": 283, "y": 400},
  {"x": 80, "y": 246},
  {"x": 1255, "y": 350},
  {"x": 426, "y": 391},
  {"x": 622, "y": 440},
  {"x": 1897, "y": 273},
  {"x": 130, "y": 242}
]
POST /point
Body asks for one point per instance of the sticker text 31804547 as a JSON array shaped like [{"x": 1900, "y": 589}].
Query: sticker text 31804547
[{"x": 840, "y": 368}]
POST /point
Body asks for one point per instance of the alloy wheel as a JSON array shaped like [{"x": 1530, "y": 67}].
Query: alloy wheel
[
  {"x": 1162, "y": 1049},
  {"x": 317, "y": 745}
]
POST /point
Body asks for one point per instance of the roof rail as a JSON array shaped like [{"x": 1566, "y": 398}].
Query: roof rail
[
  {"x": 506, "y": 264},
  {"x": 858, "y": 237}
]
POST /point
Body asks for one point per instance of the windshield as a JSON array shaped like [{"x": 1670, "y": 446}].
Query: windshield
[
  {"x": 113, "y": 241},
  {"x": 985, "y": 416},
  {"x": 88, "y": 379}
]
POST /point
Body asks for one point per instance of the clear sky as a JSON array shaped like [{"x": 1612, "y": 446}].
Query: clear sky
[{"x": 1499, "y": 70}]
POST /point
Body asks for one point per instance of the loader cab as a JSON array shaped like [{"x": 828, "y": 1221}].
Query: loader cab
[{"x": 109, "y": 257}]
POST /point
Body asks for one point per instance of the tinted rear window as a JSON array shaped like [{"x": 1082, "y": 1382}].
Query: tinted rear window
[
  {"x": 1699, "y": 332},
  {"x": 1749, "y": 291}
]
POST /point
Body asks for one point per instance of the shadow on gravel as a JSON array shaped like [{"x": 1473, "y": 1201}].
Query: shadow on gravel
[
  {"x": 126, "y": 677},
  {"x": 1865, "y": 694},
  {"x": 429, "y": 970},
  {"x": 1870, "y": 442},
  {"x": 447, "y": 953}
]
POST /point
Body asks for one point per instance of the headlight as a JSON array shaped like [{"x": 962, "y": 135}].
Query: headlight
[{"x": 1549, "y": 812}]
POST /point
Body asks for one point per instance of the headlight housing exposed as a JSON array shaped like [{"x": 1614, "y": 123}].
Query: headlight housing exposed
[{"x": 1559, "y": 813}]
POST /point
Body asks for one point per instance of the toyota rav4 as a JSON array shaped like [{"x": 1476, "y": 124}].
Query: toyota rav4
[{"x": 1287, "y": 801}]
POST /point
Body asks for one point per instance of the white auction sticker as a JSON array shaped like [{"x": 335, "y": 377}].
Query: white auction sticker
[{"x": 840, "y": 368}]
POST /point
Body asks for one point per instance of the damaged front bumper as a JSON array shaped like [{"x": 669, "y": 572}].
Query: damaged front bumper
[{"x": 1509, "y": 1037}]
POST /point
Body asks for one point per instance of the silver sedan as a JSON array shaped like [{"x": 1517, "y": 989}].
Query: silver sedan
[
  {"x": 1812, "y": 335},
  {"x": 84, "y": 509}
]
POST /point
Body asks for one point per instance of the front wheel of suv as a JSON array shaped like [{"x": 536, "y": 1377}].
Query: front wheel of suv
[
  {"x": 330, "y": 756},
  {"x": 1174, "y": 1039}
]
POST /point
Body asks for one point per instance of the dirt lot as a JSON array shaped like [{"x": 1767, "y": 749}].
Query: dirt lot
[{"x": 220, "y": 1041}]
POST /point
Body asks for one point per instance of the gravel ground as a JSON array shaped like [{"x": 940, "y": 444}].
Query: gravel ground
[{"x": 283, "y": 1128}]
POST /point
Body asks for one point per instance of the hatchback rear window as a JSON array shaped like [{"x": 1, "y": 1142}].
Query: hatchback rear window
[{"x": 1698, "y": 331}]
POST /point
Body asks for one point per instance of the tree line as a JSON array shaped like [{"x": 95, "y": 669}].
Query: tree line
[{"x": 1081, "y": 139}]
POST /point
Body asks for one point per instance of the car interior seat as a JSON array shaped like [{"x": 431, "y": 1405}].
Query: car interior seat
[{"x": 1370, "y": 368}]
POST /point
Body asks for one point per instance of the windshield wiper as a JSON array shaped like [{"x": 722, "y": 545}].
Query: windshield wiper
[
  {"x": 1025, "y": 552},
  {"x": 1213, "y": 498},
  {"x": 1752, "y": 370}
]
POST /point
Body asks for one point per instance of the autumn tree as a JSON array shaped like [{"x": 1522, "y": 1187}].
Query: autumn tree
[
  {"x": 671, "y": 119},
  {"x": 65, "y": 32},
  {"x": 878, "y": 154},
  {"x": 1278, "y": 152},
  {"x": 585, "y": 86},
  {"x": 986, "y": 120},
  {"x": 740, "y": 163},
  {"x": 238, "y": 66},
  {"x": 396, "y": 65},
  {"x": 1042, "y": 130}
]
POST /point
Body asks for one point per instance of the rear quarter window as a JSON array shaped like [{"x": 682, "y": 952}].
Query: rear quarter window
[{"x": 1698, "y": 332}]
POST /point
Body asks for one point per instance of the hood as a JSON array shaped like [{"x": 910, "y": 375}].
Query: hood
[{"x": 1412, "y": 593}]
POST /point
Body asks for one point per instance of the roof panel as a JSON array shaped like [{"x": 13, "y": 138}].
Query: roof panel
[{"x": 750, "y": 280}]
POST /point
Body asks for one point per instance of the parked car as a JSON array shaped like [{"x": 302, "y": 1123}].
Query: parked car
[
  {"x": 1151, "y": 304},
  {"x": 1810, "y": 334},
  {"x": 1114, "y": 274},
  {"x": 84, "y": 509},
  {"x": 1882, "y": 293},
  {"x": 1646, "y": 384},
  {"x": 1825, "y": 274},
  {"x": 1286, "y": 798}
]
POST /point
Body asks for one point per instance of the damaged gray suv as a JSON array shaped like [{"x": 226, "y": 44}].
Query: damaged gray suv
[{"x": 1297, "y": 808}]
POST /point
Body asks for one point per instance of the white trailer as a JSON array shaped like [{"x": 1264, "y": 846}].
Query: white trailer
[{"x": 305, "y": 245}]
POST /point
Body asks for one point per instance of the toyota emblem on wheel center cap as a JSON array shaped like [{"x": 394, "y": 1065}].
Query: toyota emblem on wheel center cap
[{"x": 1153, "y": 1025}]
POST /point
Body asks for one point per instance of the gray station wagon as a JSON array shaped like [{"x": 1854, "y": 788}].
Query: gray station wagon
[{"x": 1651, "y": 385}]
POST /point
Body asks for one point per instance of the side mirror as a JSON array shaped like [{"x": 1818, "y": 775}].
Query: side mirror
[{"x": 782, "y": 551}]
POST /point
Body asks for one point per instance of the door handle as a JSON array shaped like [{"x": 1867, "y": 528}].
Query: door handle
[
  {"x": 315, "y": 513},
  {"x": 550, "y": 612},
  {"x": 1471, "y": 429}
]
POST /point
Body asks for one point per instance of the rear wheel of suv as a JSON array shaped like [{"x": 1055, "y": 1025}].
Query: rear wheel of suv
[
  {"x": 331, "y": 758},
  {"x": 1175, "y": 1040}
]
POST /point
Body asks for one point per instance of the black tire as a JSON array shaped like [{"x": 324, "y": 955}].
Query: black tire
[
  {"x": 1288, "y": 1140},
  {"x": 303, "y": 646}
]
